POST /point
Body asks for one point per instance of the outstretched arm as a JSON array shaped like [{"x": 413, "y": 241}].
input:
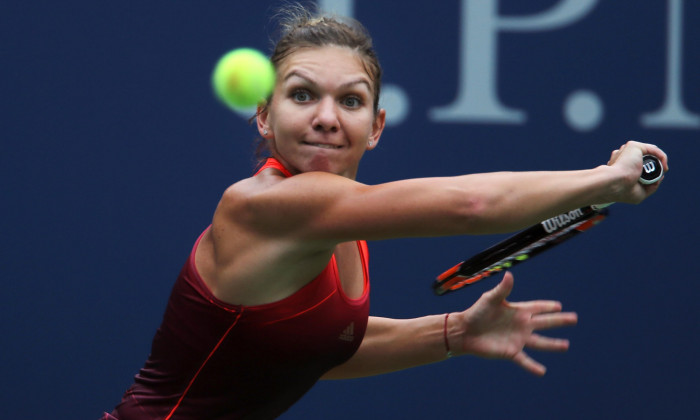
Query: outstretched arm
[
  {"x": 328, "y": 209},
  {"x": 492, "y": 328}
]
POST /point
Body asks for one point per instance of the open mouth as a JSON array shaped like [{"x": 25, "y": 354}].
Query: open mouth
[{"x": 323, "y": 145}]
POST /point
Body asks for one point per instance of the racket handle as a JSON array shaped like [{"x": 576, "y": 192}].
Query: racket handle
[{"x": 652, "y": 171}]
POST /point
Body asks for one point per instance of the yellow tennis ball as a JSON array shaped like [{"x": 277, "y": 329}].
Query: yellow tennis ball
[{"x": 243, "y": 78}]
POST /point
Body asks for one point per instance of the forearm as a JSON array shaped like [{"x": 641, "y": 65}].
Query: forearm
[
  {"x": 505, "y": 202},
  {"x": 395, "y": 344},
  {"x": 502, "y": 202},
  {"x": 482, "y": 203}
]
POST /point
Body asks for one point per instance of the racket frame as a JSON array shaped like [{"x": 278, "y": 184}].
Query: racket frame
[{"x": 519, "y": 248}]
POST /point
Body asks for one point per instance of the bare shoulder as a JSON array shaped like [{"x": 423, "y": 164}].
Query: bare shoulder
[
  {"x": 241, "y": 200},
  {"x": 273, "y": 204},
  {"x": 253, "y": 234}
]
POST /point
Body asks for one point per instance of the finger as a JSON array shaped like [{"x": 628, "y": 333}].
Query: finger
[
  {"x": 541, "y": 343},
  {"x": 538, "y": 306},
  {"x": 553, "y": 320},
  {"x": 613, "y": 156},
  {"x": 651, "y": 149},
  {"x": 503, "y": 289},
  {"x": 529, "y": 364}
]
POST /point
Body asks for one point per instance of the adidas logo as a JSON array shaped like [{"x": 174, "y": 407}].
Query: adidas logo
[{"x": 348, "y": 333}]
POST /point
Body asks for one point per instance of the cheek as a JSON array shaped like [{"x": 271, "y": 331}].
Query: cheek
[
  {"x": 362, "y": 129},
  {"x": 288, "y": 129},
  {"x": 279, "y": 122}
]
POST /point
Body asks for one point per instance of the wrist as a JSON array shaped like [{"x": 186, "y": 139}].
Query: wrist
[
  {"x": 451, "y": 336},
  {"x": 613, "y": 182},
  {"x": 445, "y": 336}
]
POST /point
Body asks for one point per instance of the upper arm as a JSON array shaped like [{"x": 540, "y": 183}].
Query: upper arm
[{"x": 330, "y": 208}]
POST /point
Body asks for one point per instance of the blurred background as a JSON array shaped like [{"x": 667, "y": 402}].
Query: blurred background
[{"x": 114, "y": 153}]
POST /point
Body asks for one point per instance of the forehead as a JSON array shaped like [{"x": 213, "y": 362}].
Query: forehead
[{"x": 328, "y": 62}]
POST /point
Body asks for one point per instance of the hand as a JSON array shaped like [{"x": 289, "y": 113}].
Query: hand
[
  {"x": 628, "y": 159},
  {"x": 497, "y": 329}
]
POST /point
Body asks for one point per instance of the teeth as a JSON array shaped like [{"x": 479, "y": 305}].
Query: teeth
[{"x": 324, "y": 146}]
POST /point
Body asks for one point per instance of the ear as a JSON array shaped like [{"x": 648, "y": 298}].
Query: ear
[
  {"x": 263, "y": 122},
  {"x": 377, "y": 129}
]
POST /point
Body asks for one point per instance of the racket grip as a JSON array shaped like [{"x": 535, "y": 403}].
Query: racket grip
[{"x": 652, "y": 170}]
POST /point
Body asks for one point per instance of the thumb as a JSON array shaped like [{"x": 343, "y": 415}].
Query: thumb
[{"x": 503, "y": 289}]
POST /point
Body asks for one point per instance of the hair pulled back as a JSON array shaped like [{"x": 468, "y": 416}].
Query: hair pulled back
[{"x": 303, "y": 28}]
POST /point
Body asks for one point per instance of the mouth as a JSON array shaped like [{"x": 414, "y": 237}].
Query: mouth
[{"x": 323, "y": 145}]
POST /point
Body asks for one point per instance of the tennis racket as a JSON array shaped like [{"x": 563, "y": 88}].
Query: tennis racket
[{"x": 533, "y": 240}]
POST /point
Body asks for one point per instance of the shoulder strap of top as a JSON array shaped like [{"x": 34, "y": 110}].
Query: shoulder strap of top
[{"x": 274, "y": 163}]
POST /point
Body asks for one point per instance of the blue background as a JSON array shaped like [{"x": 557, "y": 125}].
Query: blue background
[{"x": 114, "y": 154}]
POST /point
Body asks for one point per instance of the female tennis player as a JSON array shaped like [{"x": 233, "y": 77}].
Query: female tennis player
[{"x": 275, "y": 293}]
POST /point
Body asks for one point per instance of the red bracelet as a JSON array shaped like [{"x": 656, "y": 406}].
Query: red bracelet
[{"x": 447, "y": 343}]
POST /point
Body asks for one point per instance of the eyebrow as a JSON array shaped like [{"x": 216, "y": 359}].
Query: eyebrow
[{"x": 360, "y": 80}]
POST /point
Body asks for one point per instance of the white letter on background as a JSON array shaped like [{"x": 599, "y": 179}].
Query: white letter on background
[{"x": 477, "y": 97}]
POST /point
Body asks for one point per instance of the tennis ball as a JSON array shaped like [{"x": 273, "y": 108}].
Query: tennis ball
[{"x": 243, "y": 78}]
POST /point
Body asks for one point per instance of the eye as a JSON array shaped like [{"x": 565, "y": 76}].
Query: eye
[
  {"x": 352, "y": 102},
  {"x": 301, "y": 95}
]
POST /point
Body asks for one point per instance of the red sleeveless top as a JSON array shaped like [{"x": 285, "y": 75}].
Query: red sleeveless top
[{"x": 213, "y": 360}]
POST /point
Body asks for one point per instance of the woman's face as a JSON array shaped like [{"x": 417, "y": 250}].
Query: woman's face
[{"x": 321, "y": 115}]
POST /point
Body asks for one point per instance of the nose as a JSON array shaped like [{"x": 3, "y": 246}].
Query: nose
[{"x": 326, "y": 118}]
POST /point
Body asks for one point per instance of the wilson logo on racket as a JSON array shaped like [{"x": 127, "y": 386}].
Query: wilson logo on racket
[
  {"x": 649, "y": 166},
  {"x": 563, "y": 220}
]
